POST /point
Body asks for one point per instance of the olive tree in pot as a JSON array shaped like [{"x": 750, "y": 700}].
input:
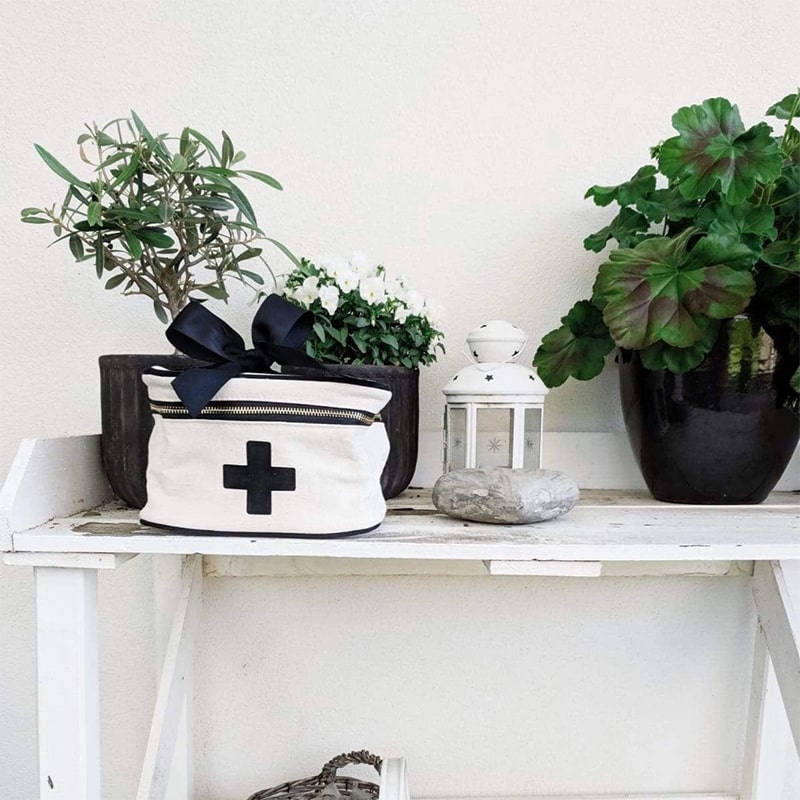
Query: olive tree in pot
[
  {"x": 162, "y": 217},
  {"x": 701, "y": 295},
  {"x": 371, "y": 327}
]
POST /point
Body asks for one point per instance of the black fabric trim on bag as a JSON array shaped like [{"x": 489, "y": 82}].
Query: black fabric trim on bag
[{"x": 272, "y": 535}]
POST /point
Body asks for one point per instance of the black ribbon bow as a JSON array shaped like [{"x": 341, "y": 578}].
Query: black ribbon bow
[{"x": 279, "y": 329}]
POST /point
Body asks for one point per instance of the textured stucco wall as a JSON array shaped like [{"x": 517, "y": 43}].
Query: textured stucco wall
[{"x": 454, "y": 141}]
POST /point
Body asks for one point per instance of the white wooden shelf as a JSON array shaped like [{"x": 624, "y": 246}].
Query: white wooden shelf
[
  {"x": 55, "y": 515},
  {"x": 604, "y": 526}
]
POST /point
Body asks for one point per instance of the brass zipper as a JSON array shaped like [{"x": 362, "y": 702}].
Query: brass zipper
[{"x": 267, "y": 412}]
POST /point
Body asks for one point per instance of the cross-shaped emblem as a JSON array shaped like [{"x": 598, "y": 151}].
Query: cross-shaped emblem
[{"x": 259, "y": 478}]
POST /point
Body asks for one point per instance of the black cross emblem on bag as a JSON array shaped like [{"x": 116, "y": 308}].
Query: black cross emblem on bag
[{"x": 259, "y": 478}]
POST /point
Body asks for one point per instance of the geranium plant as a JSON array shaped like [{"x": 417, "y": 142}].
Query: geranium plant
[
  {"x": 159, "y": 216},
  {"x": 708, "y": 232},
  {"x": 361, "y": 315}
]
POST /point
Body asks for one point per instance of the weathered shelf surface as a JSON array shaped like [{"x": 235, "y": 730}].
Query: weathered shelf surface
[{"x": 604, "y": 527}]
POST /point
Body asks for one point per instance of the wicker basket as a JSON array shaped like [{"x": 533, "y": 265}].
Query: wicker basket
[{"x": 328, "y": 784}]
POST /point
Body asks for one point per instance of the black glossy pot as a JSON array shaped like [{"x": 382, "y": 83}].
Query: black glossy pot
[
  {"x": 126, "y": 420},
  {"x": 401, "y": 418},
  {"x": 721, "y": 433}
]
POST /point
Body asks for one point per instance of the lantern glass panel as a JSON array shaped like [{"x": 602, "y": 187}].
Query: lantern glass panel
[
  {"x": 493, "y": 443},
  {"x": 456, "y": 421},
  {"x": 533, "y": 438}
]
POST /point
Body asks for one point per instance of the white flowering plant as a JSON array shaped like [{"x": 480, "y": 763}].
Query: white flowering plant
[{"x": 361, "y": 316}]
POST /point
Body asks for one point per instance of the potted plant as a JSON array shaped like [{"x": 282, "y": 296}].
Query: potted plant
[
  {"x": 369, "y": 326},
  {"x": 701, "y": 295},
  {"x": 162, "y": 217}
]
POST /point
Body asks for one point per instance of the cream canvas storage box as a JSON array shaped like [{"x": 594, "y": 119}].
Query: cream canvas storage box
[{"x": 270, "y": 454}]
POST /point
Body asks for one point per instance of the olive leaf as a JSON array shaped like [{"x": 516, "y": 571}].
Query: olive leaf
[
  {"x": 155, "y": 218},
  {"x": 575, "y": 350},
  {"x": 655, "y": 291},
  {"x": 713, "y": 151}
]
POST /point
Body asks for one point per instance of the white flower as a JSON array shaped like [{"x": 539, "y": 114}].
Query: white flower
[
  {"x": 329, "y": 298},
  {"x": 334, "y": 265},
  {"x": 347, "y": 280},
  {"x": 359, "y": 263},
  {"x": 415, "y": 301},
  {"x": 401, "y": 314},
  {"x": 434, "y": 312},
  {"x": 397, "y": 288},
  {"x": 280, "y": 284},
  {"x": 308, "y": 292},
  {"x": 372, "y": 289}
]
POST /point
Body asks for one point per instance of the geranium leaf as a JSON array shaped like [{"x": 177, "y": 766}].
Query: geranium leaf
[
  {"x": 795, "y": 380},
  {"x": 669, "y": 203},
  {"x": 626, "y": 194},
  {"x": 654, "y": 292},
  {"x": 682, "y": 359},
  {"x": 786, "y": 108},
  {"x": 713, "y": 151},
  {"x": 744, "y": 223},
  {"x": 628, "y": 228},
  {"x": 575, "y": 350},
  {"x": 784, "y": 255}
]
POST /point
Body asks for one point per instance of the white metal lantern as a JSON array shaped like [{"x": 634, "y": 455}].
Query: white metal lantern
[{"x": 494, "y": 412}]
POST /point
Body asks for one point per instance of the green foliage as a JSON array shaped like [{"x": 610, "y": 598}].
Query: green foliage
[
  {"x": 361, "y": 317},
  {"x": 159, "y": 216},
  {"x": 710, "y": 231},
  {"x": 657, "y": 291},
  {"x": 578, "y": 348}
]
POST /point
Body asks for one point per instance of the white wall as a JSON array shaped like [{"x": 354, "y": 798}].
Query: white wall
[{"x": 454, "y": 141}]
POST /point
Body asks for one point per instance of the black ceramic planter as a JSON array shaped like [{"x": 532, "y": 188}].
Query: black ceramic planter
[
  {"x": 721, "y": 433},
  {"x": 126, "y": 420}
]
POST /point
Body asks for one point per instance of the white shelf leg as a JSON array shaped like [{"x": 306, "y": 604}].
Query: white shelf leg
[
  {"x": 69, "y": 708},
  {"x": 394, "y": 780},
  {"x": 779, "y": 615},
  {"x": 767, "y": 739},
  {"x": 172, "y": 712}
]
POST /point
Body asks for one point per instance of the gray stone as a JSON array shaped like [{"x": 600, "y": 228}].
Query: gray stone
[{"x": 505, "y": 495}]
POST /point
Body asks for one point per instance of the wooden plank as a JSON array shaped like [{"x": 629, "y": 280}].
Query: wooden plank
[
  {"x": 394, "y": 780},
  {"x": 559, "y": 569},
  {"x": 175, "y": 675},
  {"x": 583, "y": 535},
  {"x": 68, "y": 712},
  {"x": 68, "y": 560},
  {"x": 285, "y": 566},
  {"x": 778, "y": 616},
  {"x": 637, "y": 532},
  {"x": 51, "y": 478},
  {"x": 626, "y": 796},
  {"x": 420, "y": 499}
]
